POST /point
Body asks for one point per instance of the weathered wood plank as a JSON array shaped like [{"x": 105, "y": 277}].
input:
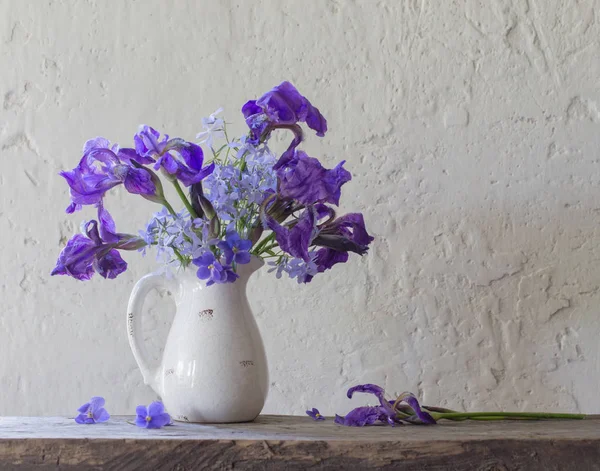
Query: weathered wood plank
[{"x": 293, "y": 443}]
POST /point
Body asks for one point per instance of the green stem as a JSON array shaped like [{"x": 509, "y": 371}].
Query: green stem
[
  {"x": 270, "y": 247},
  {"x": 166, "y": 204},
  {"x": 504, "y": 415},
  {"x": 179, "y": 257},
  {"x": 262, "y": 243},
  {"x": 184, "y": 199}
]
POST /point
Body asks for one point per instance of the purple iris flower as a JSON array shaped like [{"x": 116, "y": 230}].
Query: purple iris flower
[
  {"x": 103, "y": 167},
  {"x": 295, "y": 237},
  {"x": 304, "y": 179},
  {"x": 180, "y": 159},
  {"x": 315, "y": 414},
  {"x": 386, "y": 407},
  {"x": 210, "y": 269},
  {"x": 379, "y": 392},
  {"x": 92, "y": 412},
  {"x": 153, "y": 416},
  {"x": 96, "y": 251},
  {"x": 283, "y": 106},
  {"x": 235, "y": 249},
  {"x": 362, "y": 416},
  {"x": 345, "y": 234},
  {"x": 326, "y": 258}
]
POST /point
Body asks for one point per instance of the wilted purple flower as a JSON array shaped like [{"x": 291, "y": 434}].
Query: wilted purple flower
[
  {"x": 96, "y": 251},
  {"x": 387, "y": 409},
  {"x": 180, "y": 159},
  {"x": 235, "y": 249},
  {"x": 92, "y": 412},
  {"x": 153, "y": 416},
  {"x": 210, "y": 269},
  {"x": 295, "y": 237},
  {"x": 379, "y": 392},
  {"x": 344, "y": 234},
  {"x": 362, "y": 416},
  {"x": 324, "y": 259},
  {"x": 282, "y": 107},
  {"x": 103, "y": 167},
  {"x": 420, "y": 416},
  {"x": 304, "y": 179},
  {"x": 315, "y": 414},
  {"x": 279, "y": 107}
]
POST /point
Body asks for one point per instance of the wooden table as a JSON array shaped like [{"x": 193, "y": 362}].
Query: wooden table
[{"x": 292, "y": 443}]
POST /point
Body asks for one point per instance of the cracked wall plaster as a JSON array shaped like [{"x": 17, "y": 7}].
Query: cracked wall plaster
[{"x": 471, "y": 127}]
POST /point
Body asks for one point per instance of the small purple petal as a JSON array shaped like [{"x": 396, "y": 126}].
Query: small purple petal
[
  {"x": 80, "y": 419},
  {"x": 141, "y": 421},
  {"x": 108, "y": 230},
  {"x": 242, "y": 258},
  {"x": 97, "y": 402},
  {"x": 156, "y": 408},
  {"x": 101, "y": 415},
  {"x": 159, "y": 420},
  {"x": 110, "y": 265}
]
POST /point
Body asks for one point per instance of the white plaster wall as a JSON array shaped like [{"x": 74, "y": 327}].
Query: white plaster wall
[{"x": 472, "y": 129}]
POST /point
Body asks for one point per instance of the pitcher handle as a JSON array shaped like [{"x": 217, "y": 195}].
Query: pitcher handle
[{"x": 134, "y": 326}]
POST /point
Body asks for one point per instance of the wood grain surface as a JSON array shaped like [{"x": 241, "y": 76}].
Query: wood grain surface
[{"x": 294, "y": 443}]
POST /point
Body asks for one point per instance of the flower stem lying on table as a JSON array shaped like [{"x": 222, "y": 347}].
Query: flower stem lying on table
[
  {"x": 502, "y": 415},
  {"x": 405, "y": 409}
]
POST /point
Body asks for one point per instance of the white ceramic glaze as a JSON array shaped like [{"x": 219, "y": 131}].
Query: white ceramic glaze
[{"x": 214, "y": 367}]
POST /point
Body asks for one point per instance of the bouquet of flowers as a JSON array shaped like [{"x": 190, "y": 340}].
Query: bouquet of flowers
[{"x": 242, "y": 201}]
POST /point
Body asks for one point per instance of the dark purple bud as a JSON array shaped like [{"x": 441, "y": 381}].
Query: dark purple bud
[
  {"x": 340, "y": 243},
  {"x": 196, "y": 192}
]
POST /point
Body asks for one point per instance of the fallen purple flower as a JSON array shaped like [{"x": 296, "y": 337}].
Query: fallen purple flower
[
  {"x": 153, "y": 416},
  {"x": 362, "y": 416},
  {"x": 420, "y": 416},
  {"x": 315, "y": 414},
  {"x": 379, "y": 392},
  {"x": 92, "y": 412}
]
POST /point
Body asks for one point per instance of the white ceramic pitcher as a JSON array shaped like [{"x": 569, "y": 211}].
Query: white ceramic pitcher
[{"x": 214, "y": 367}]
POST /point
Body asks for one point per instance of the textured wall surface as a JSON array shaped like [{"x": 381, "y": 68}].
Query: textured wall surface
[{"x": 472, "y": 129}]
